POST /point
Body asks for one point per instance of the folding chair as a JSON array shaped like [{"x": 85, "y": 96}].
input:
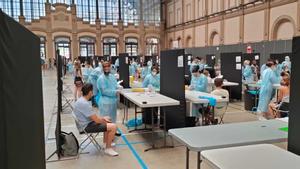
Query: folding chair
[
  {"x": 90, "y": 138},
  {"x": 282, "y": 108},
  {"x": 67, "y": 103},
  {"x": 220, "y": 110}
]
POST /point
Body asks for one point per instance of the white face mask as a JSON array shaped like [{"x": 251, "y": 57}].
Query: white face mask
[{"x": 154, "y": 73}]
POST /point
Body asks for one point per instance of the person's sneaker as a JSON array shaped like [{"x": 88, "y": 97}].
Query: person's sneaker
[{"x": 111, "y": 152}]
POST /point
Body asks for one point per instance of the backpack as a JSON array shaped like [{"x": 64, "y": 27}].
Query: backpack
[{"x": 70, "y": 145}]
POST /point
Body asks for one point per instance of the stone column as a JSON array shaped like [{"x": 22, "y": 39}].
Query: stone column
[
  {"x": 99, "y": 47},
  {"x": 142, "y": 40},
  {"x": 206, "y": 24},
  {"x": 121, "y": 41},
  {"x": 75, "y": 40},
  {"x": 222, "y": 25},
  {"x": 267, "y": 22},
  {"x": 242, "y": 23},
  {"x": 50, "y": 49}
]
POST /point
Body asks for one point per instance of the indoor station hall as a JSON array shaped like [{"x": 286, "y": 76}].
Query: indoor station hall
[{"x": 149, "y": 84}]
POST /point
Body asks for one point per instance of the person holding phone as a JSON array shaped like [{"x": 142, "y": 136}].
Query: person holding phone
[{"x": 91, "y": 122}]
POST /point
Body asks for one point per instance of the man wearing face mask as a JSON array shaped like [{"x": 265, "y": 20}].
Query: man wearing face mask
[
  {"x": 107, "y": 87},
  {"x": 269, "y": 78},
  {"x": 152, "y": 79}
]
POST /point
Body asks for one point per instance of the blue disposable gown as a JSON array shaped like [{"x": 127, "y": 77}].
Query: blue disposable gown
[
  {"x": 145, "y": 72},
  {"x": 287, "y": 64},
  {"x": 95, "y": 74},
  {"x": 107, "y": 86},
  {"x": 151, "y": 80},
  {"x": 117, "y": 64},
  {"x": 266, "y": 90},
  {"x": 132, "y": 69},
  {"x": 199, "y": 84},
  {"x": 86, "y": 73},
  {"x": 248, "y": 74},
  {"x": 262, "y": 69}
]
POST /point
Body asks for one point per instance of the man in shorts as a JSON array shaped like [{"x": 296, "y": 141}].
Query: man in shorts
[{"x": 92, "y": 122}]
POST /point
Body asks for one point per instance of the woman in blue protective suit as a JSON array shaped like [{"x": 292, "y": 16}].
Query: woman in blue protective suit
[
  {"x": 247, "y": 72},
  {"x": 269, "y": 78},
  {"x": 145, "y": 71},
  {"x": 199, "y": 83},
  {"x": 93, "y": 77},
  {"x": 132, "y": 68},
  {"x": 153, "y": 79},
  {"x": 107, "y": 87}
]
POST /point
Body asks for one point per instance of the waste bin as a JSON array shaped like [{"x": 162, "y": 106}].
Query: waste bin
[{"x": 250, "y": 97}]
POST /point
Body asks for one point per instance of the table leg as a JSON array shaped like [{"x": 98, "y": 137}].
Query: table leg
[
  {"x": 152, "y": 126},
  {"x": 123, "y": 121},
  {"x": 187, "y": 162},
  {"x": 198, "y": 160},
  {"x": 135, "y": 117},
  {"x": 165, "y": 128}
]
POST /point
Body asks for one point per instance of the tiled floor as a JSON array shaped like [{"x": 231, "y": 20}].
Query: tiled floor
[{"x": 158, "y": 159}]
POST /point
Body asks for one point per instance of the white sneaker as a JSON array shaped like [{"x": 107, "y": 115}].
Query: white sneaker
[
  {"x": 112, "y": 144},
  {"x": 111, "y": 152}
]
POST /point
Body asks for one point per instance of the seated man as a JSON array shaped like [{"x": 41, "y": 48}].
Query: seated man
[
  {"x": 219, "y": 91},
  {"x": 91, "y": 122}
]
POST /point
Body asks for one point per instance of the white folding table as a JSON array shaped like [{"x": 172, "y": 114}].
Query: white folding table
[
  {"x": 229, "y": 135},
  {"x": 193, "y": 97},
  {"x": 151, "y": 100},
  {"x": 262, "y": 156}
]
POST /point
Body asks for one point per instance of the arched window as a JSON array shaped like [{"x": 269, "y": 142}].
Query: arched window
[
  {"x": 63, "y": 45},
  {"x": 109, "y": 46},
  {"x": 131, "y": 46},
  {"x": 87, "y": 46},
  {"x": 43, "y": 46},
  {"x": 151, "y": 46}
]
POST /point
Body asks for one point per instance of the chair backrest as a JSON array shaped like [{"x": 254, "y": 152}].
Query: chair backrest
[{"x": 220, "y": 109}]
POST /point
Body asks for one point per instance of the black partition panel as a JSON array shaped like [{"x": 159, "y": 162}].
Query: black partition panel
[
  {"x": 294, "y": 117},
  {"x": 280, "y": 56},
  {"x": 229, "y": 71},
  {"x": 188, "y": 58},
  {"x": 210, "y": 60},
  {"x": 21, "y": 98},
  {"x": 59, "y": 68},
  {"x": 124, "y": 69},
  {"x": 172, "y": 85},
  {"x": 251, "y": 56}
]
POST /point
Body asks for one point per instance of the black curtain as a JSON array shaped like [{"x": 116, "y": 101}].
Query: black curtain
[
  {"x": 21, "y": 98},
  {"x": 294, "y": 117}
]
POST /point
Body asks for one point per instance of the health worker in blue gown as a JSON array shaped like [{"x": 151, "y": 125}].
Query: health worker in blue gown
[
  {"x": 199, "y": 82},
  {"x": 269, "y": 78},
  {"x": 107, "y": 86},
  {"x": 152, "y": 79}
]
